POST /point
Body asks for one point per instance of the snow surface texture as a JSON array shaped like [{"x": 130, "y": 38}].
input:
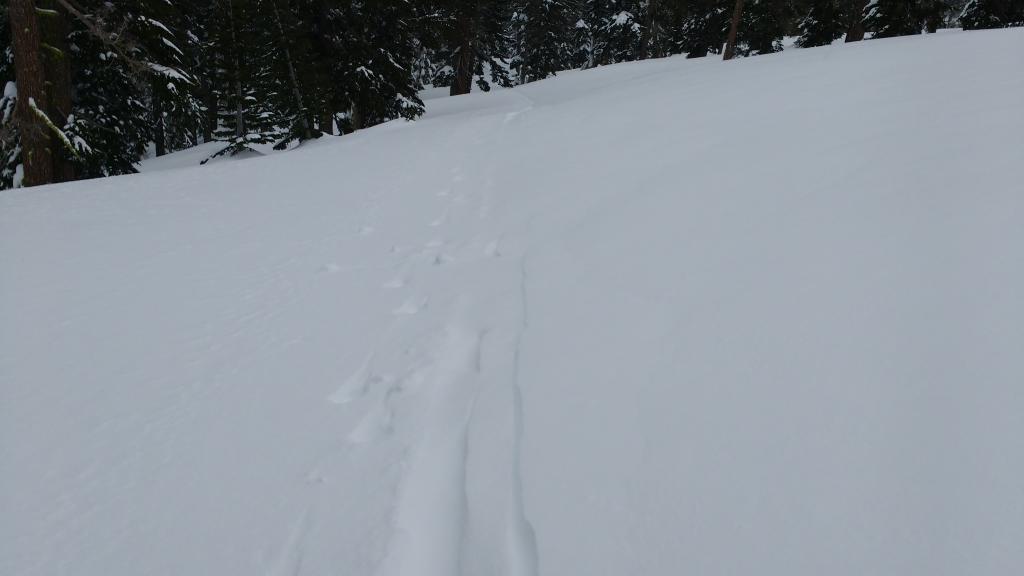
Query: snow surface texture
[{"x": 671, "y": 317}]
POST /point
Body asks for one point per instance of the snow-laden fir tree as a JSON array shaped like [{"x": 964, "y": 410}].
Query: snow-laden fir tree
[
  {"x": 242, "y": 83},
  {"x": 623, "y": 31},
  {"x": 372, "y": 50},
  {"x": 981, "y": 14},
  {"x": 590, "y": 33},
  {"x": 474, "y": 44},
  {"x": 543, "y": 30},
  {"x": 111, "y": 114},
  {"x": 667, "y": 22},
  {"x": 172, "y": 92},
  {"x": 704, "y": 28},
  {"x": 762, "y": 27},
  {"x": 933, "y": 13},
  {"x": 289, "y": 78},
  {"x": 131, "y": 84},
  {"x": 888, "y": 18}
]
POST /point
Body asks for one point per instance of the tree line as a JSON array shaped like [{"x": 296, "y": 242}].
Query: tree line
[{"x": 91, "y": 86}]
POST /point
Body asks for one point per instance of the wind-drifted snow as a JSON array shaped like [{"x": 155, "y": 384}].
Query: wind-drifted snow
[{"x": 669, "y": 317}]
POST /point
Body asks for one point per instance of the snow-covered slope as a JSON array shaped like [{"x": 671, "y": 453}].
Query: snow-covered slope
[{"x": 670, "y": 317}]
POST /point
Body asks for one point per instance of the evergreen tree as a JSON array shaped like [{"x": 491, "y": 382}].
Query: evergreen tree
[
  {"x": 762, "y": 27},
  {"x": 474, "y": 42},
  {"x": 591, "y": 33},
  {"x": 291, "y": 74},
  {"x": 825, "y": 22},
  {"x": 933, "y": 13},
  {"x": 544, "y": 30},
  {"x": 201, "y": 55},
  {"x": 704, "y": 28},
  {"x": 373, "y": 50},
  {"x": 888, "y": 18},
  {"x": 10, "y": 140},
  {"x": 855, "y": 31},
  {"x": 173, "y": 92},
  {"x": 654, "y": 30},
  {"x": 981, "y": 14},
  {"x": 242, "y": 84},
  {"x": 110, "y": 109},
  {"x": 623, "y": 31},
  {"x": 665, "y": 21}
]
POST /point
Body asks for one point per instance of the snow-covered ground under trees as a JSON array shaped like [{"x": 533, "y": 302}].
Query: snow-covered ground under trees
[{"x": 669, "y": 317}]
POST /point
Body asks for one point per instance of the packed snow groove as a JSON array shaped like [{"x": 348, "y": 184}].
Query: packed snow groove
[
  {"x": 623, "y": 321},
  {"x": 523, "y": 559}
]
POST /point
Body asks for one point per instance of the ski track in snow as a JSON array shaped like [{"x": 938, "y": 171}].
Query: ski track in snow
[
  {"x": 523, "y": 559},
  {"x": 430, "y": 520}
]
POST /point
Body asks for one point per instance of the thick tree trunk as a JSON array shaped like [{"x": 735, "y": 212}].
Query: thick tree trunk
[
  {"x": 57, "y": 67},
  {"x": 730, "y": 42},
  {"x": 463, "y": 63},
  {"x": 855, "y": 33},
  {"x": 36, "y": 153},
  {"x": 355, "y": 116}
]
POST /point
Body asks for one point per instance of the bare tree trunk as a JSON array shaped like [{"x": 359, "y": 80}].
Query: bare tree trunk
[
  {"x": 57, "y": 67},
  {"x": 855, "y": 33},
  {"x": 307, "y": 133},
  {"x": 730, "y": 42},
  {"x": 36, "y": 154},
  {"x": 463, "y": 64}
]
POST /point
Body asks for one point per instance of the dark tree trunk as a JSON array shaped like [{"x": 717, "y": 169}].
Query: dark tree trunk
[
  {"x": 463, "y": 64},
  {"x": 240, "y": 127},
  {"x": 300, "y": 113},
  {"x": 159, "y": 133},
  {"x": 650, "y": 35},
  {"x": 730, "y": 42},
  {"x": 57, "y": 67},
  {"x": 36, "y": 154},
  {"x": 855, "y": 33},
  {"x": 355, "y": 116}
]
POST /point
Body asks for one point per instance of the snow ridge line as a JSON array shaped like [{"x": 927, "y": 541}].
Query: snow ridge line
[{"x": 522, "y": 550}]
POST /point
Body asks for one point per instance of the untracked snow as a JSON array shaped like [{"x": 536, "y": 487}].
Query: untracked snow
[{"x": 669, "y": 317}]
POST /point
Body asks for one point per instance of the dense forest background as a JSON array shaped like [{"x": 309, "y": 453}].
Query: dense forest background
[{"x": 93, "y": 86}]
